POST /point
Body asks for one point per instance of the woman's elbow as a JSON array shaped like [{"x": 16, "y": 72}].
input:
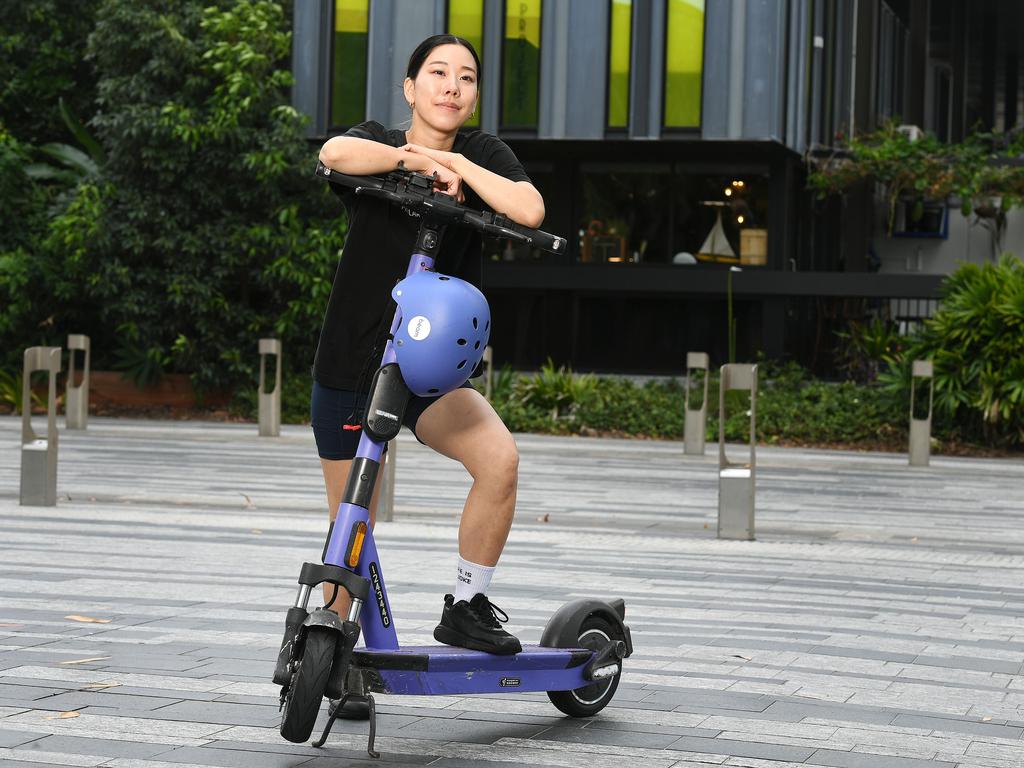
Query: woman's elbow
[
  {"x": 329, "y": 155},
  {"x": 534, "y": 217},
  {"x": 533, "y": 213}
]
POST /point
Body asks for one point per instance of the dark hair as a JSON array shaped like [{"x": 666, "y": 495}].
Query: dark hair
[{"x": 423, "y": 50}]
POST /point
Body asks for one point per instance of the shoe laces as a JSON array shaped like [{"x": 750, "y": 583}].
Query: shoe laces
[{"x": 488, "y": 613}]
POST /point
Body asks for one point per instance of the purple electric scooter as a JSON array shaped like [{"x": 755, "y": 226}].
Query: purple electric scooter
[{"x": 578, "y": 660}]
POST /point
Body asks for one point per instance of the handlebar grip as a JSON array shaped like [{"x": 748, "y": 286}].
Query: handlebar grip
[
  {"x": 548, "y": 242},
  {"x": 346, "y": 180}
]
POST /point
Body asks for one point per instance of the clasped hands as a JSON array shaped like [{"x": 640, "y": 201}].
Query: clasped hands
[{"x": 437, "y": 163}]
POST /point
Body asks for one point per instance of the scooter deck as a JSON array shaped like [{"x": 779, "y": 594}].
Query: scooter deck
[{"x": 441, "y": 669}]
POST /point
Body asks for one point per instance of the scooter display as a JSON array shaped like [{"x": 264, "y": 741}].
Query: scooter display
[{"x": 578, "y": 660}]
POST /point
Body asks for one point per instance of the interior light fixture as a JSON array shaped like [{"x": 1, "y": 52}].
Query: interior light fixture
[{"x": 728, "y": 191}]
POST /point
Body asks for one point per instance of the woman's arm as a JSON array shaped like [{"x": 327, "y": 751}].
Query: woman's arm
[
  {"x": 519, "y": 200},
  {"x": 364, "y": 157}
]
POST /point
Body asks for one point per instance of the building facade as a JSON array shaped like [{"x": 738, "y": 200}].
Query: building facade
[{"x": 668, "y": 138}]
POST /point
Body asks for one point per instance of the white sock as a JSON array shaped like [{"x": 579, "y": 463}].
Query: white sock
[{"x": 471, "y": 579}]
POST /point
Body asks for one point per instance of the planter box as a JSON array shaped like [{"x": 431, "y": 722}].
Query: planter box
[{"x": 174, "y": 390}]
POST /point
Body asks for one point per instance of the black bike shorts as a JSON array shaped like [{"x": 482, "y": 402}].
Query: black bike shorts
[{"x": 333, "y": 409}]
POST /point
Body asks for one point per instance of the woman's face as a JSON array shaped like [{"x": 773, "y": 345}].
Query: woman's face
[{"x": 444, "y": 93}]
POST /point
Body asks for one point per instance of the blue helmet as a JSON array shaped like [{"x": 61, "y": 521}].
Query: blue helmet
[{"x": 445, "y": 326}]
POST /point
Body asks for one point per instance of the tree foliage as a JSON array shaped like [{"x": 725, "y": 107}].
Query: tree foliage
[
  {"x": 42, "y": 60},
  {"x": 203, "y": 228}
]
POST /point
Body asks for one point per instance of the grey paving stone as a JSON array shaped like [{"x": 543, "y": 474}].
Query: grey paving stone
[
  {"x": 962, "y": 662},
  {"x": 613, "y": 725},
  {"x": 864, "y": 573},
  {"x": 79, "y": 745},
  {"x": 614, "y": 738},
  {"x": 762, "y": 751},
  {"x": 217, "y": 712},
  {"x": 794, "y": 712},
  {"x": 116, "y": 700},
  {"x": 864, "y": 760},
  {"x": 954, "y": 725},
  {"x": 17, "y": 738},
  {"x": 743, "y": 702},
  {"x": 230, "y": 758},
  {"x": 470, "y": 731}
]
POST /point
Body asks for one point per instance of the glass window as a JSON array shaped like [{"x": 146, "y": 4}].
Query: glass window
[
  {"x": 521, "y": 60},
  {"x": 719, "y": 219},
  {"x": 684, "y": 63},
  {"x": 466, "y": 19},
  {"x": 348, "y": 75},
  {"x": 624, "y": 214},
  {"x": 618, "y": 63}
]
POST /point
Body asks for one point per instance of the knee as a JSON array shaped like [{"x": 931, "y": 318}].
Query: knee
[{"x": 498, "y": 465}]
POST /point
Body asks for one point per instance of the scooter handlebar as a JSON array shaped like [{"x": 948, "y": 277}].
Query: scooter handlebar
[{"x": 398, "y": 187}]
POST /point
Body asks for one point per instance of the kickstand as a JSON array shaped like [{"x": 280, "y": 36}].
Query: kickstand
[{"x": 334, "y": 716}]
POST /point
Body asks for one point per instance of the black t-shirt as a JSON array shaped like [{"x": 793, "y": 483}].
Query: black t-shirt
[{"x": 380, "y": 241}]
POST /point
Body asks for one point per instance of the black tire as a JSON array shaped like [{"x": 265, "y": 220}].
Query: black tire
[
  {"x": 306, "y": 693},
  {"x": 595, "y": 632}
]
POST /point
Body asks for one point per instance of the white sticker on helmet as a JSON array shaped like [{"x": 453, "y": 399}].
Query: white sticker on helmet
[{"x": 419, "y": 328}]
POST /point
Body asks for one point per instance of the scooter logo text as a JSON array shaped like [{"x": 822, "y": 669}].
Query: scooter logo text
[
  {"x": 381, "y": 606},
  {"x": 419, "y": 328},
  {"x": 509, "y": 682}
]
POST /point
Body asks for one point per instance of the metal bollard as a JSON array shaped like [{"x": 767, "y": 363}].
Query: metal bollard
[
  {"x": 76, "y": 398},
  {"x": 488, "y": 371},
  {"x": 39, "y": 455},
  {"x": 736, "y": 480},
  {"x": 921, "y": 429},
  {"x": 386, "y": 504},
  {"x": 270, "y": 402},
  {"x": 696, "y": 419}
]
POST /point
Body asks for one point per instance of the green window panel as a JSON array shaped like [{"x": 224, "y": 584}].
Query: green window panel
[
  {"x": 618, "y": 63},
  {"x": 466, "y": 19},
  {"x": 348, "y": 73},
  {"x": 684, "y": 63},
  {"x": 521, "y": 75}
]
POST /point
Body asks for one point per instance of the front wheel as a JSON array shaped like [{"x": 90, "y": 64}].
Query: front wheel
[
  {"x": 595, "y": 633},
  {"x": 302, "y": 702}
]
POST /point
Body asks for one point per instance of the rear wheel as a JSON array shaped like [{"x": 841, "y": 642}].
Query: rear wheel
[
  {"x": 595, "y": 633},
  {"x": 302, "y": 702}
]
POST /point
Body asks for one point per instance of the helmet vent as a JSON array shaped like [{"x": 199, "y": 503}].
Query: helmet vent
[
  {"x": 443, "y": 277},
  {"x": 462, "y": 365},
  {"x": 477, "y": 345},
  {"x": 433, "y": 391},
  {"x": 461, "y": 342},
  {"x": 475, "y": 323},
  {"x": 487, "y": 325}
]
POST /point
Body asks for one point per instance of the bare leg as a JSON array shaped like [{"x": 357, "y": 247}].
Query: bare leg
[
  {"x": 463, "y": 426},
  {"x": 335, "y": 477}
]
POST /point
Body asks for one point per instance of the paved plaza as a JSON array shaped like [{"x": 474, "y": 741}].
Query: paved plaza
[{"x": 877, "y": 621}]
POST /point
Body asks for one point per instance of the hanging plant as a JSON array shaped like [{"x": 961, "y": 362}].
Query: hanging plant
[{"x": 985, "y": 172}]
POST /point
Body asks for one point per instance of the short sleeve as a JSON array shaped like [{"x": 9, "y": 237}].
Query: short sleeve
[{"x": 500, "y": 159}]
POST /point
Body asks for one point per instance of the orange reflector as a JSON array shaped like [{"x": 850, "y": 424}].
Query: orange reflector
[{"x": 356, "y": 545}]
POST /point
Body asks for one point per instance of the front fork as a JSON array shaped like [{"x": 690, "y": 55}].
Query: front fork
[{"x": 299, "y": 619}]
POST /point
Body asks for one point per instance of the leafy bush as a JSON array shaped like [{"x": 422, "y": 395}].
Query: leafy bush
[
  {"x": 791, "y": 406},
  {"x": 42, "y": 60},
  {"x": 976, "y": 344},
  {"x": 204, "y": 229}
]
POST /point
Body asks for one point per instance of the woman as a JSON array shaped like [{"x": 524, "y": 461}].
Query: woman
[{"x": 441, "y": 89}]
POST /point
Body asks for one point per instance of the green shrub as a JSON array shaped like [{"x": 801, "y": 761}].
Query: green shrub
[
  {"x": 976, "y": 344},
  {"x": 206, "y": 229}
]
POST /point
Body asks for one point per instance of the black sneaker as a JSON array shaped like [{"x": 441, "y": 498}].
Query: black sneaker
[
  {"x": 354, "y": 709},
  {"x": 475, "y": 625}
]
